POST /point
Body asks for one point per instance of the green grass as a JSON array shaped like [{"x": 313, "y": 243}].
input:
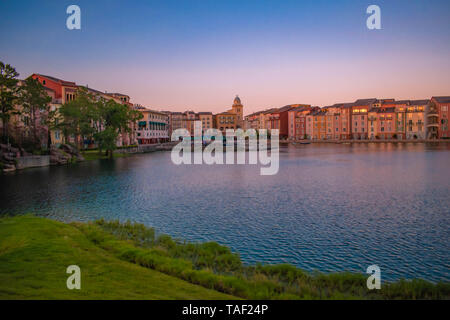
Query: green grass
[
  {"x": 95, "y": 155},
  {"x": 130, "y": 261},
  {"x": 35, "y": 252}
]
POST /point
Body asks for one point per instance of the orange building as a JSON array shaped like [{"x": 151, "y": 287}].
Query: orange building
[
  {"x": 440, "y": 115},
  {"x": 360, "y": 111}
]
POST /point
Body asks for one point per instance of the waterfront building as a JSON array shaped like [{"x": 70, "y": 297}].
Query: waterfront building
[
  {"x": 278, "y": 119},
  {"x": 232, "y": 118},
  {"x": 400, "y": 118},
  {"x": 309, "y": 125},
  {"x": 297, "y": 122},
  {"x": 178, "y": 121},
  {"x": 238, "y": 109},
  {"x": 439, "y": 114},
  {"x": 333, "y": 122},
  {"x": 264, "y": 119},
  {"x": 189, "y": 121},
  {"x": 319, "y": 125},
  {"x": 20, "y": 124},
  {"x": 253, "y": 121},
  {"x": 372, "y": 123},
  {"x": 386, "y": 123},
  {"x": 153, "y": 127},
  {"x": 416, "y": 119},
  {"x": 360, "y": 109},
  {"x": 346, "y": 120},
  {"x": 379, "y": 102},
  {"x": 65, "y": 91},
  {"x": 226, "y": 120},
  {"x": 207, "y": 120}
]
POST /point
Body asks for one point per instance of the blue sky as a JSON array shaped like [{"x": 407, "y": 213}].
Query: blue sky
[{"x": 197, "y": 55}]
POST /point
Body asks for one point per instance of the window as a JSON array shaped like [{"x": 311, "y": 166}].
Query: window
[{"x": 445, "y": 108}]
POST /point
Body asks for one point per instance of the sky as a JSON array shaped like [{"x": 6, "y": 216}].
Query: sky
[{"x": 198, "y": 54}]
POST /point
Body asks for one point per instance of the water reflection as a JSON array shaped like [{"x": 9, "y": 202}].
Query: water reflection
[{"x": 331, "y": 207}]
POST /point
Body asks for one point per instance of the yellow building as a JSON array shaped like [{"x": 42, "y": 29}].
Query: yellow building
[
  {"x": 415, "y": 119},
  {"x": 225, "y": 120},
  {"x": 207, "y": 120}
]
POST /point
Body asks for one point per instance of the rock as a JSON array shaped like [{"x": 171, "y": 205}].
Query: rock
[
  {"x": 8, "y": 167},
  {"x": 14, "y": 150},
  {"x": 8, "y": 157},
  {"x": 69, "y": 149},
  {"x": 80, "y": 158}
]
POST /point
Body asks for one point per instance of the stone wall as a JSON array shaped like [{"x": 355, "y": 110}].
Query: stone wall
[{"x": 32, "y": 161}]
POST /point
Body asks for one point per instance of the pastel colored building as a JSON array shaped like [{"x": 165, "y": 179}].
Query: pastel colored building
[
  {"x": 297, "y": 122},
  {"x": 386, "y": 123},
  {"x": 153, "y": 127},
  {"x": 360, "y": 109},
  {"x": 206, "y": 119},
  {"x": 346, "y": 121},
  {"x": 309, "y": 126},
  {"x": 440, "y": 114},
  {"x": 372, "y": 117},
  {"x": 65, "y": 91},
  {"x": 416, "y": 119},
  {"x": 319, "y": 125}
]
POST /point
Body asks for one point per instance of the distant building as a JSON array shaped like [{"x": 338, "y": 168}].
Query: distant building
[
  {"x": 232, "y": 118},
  {"x": 416, "y": 119},
  {"x": 65, "y": 91},
  {"x": 153, "y": 127},
  {"x": 297, "y": 122},
  {"x": 438, "y": 117},
  {"x": 207, "y": 120},
  {"x": 360, "y": 109}
]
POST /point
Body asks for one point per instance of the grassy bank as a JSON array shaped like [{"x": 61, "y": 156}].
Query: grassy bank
[
  {"x": 35, "y": 252},
  {"x": 130, "y": 261},
  {"x": 95, "y": 155}
]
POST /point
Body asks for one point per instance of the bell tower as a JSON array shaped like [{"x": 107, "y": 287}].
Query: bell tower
[{"x": 238, "y": 109}]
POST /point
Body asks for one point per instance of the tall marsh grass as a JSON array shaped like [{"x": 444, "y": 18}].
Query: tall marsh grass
[{"x": 214, "y": 266}]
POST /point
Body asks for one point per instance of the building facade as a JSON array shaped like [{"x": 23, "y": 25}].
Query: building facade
[{"x": 153, "y": 127}]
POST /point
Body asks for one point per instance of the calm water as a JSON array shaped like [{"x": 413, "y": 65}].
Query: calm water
[{"x": 330, "y": 207}]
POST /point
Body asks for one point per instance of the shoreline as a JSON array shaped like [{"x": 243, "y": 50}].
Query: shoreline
[
  {"x": 207, "y": 265},
  {"x": 299, "y": 142}
]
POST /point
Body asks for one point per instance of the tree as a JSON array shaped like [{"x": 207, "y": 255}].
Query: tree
[
  {"x": 9, "y": 91},
  {"x": 79, "y": 117},
  {"x": 114, "y": 118},
  {"x": 35, "y": 103},
  {"x": 107, "y": 140}
]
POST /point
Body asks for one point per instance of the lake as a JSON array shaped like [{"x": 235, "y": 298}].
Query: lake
[{"x": 331, "y": 207}]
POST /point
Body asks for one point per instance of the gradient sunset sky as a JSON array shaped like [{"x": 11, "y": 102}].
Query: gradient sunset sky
[{"x": 198, "y": 54}]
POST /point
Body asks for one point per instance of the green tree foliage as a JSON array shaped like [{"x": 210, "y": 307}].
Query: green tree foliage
[
  {"x": 9, "y": 91},
  {"x": 35, "y": 105},
  {"x": 114, "y": 118},
  {"x": 92, "y": 117},
  {"x": 79, "y": 116}
]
